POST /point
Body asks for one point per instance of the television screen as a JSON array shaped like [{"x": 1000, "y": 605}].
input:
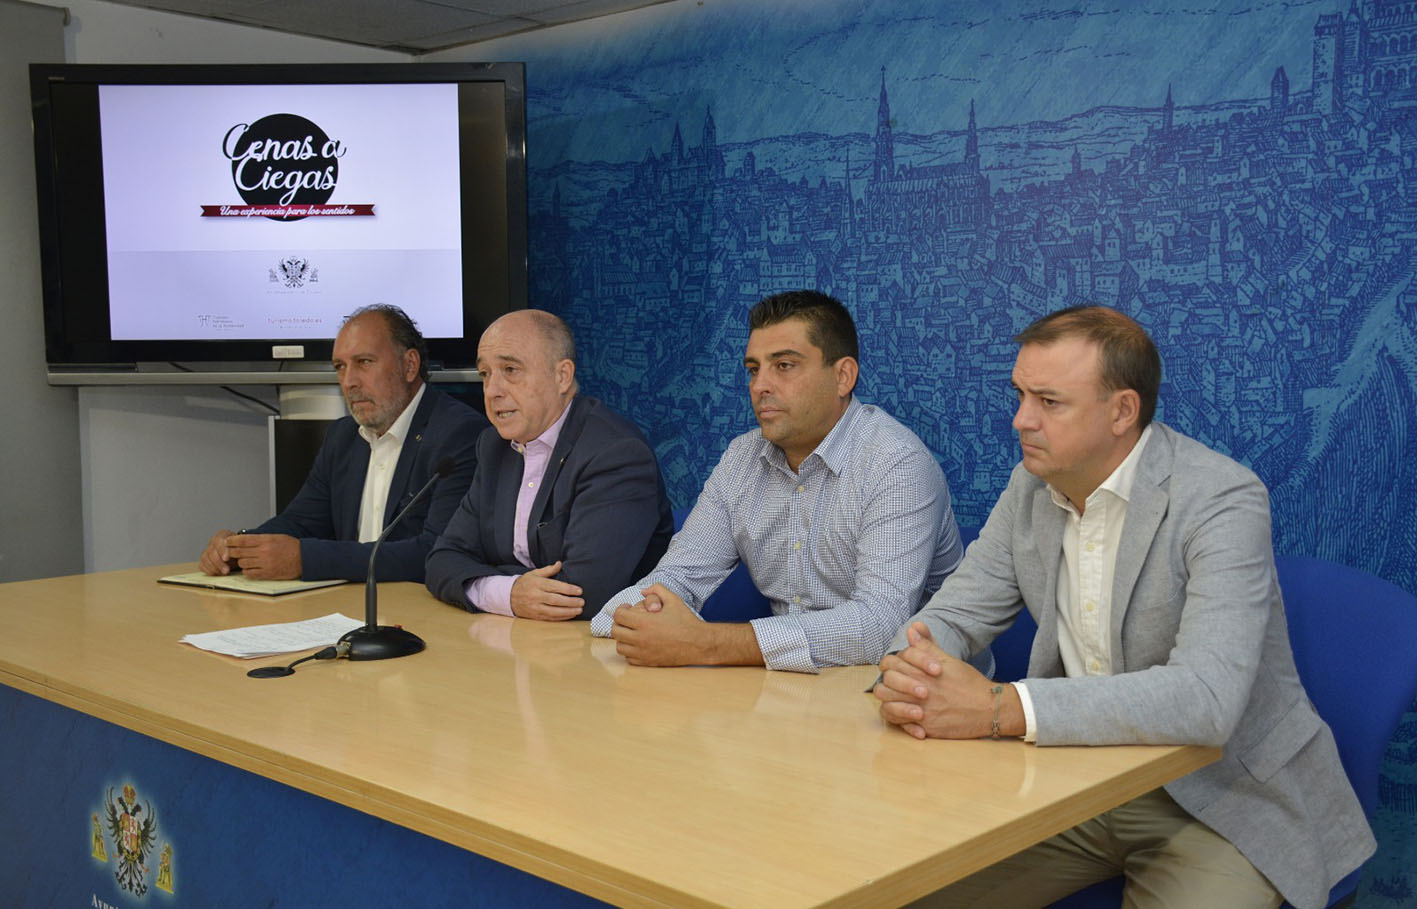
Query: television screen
[{"x": 221, "y": 213}]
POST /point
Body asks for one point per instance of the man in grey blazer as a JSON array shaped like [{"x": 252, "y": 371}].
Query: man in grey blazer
[{"x": 1146, "y": 560}]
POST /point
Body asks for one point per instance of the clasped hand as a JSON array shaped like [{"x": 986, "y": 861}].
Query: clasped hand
[
  {"x": 261, "y": 556},
  {"x": 930, "y": 693},
  {"x": 659, "y": 630}
]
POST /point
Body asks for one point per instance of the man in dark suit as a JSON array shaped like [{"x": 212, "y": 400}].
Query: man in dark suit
[
  {"x": 567, "y": 505},
  {"x": 370, "y": 466}
]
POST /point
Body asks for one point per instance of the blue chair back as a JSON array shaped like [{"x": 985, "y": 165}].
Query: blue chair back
[
  {"x": 1355, "y": 645},
  {"x": 1011, "y": 649},
  {"x": 737, "y": 599}
]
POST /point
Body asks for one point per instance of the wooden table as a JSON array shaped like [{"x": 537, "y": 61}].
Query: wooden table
[{"x": 539, "y": 747}]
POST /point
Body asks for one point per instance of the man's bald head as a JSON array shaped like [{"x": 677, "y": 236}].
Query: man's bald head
[{"x": 527, "y": 361}]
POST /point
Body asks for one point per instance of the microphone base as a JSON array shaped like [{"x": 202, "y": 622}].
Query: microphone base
[{"x": 382, "y": 643}]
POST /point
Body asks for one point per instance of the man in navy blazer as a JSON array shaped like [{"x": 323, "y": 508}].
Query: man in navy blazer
[
  {"x": 567, "y": 505},
  {"x": 369, "y": 467}
]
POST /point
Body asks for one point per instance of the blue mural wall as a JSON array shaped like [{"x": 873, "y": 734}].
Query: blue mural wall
[{"x": 1242, "y": 178}]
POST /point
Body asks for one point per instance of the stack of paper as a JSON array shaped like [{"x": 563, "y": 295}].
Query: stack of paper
[{"x": 268, "y": 640}]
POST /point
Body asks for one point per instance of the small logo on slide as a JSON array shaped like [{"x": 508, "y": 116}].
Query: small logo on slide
[
  {"x": 285, "y": 168},
  {"x": 294, "y": 271}
]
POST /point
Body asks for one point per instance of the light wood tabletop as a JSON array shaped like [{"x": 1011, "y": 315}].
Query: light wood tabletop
[{"x": 536, "y": 745}]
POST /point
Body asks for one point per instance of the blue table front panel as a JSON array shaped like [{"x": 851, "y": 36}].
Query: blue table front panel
[{"x": 199, "y": 832}]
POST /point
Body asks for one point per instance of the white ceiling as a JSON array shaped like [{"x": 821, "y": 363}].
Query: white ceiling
[{"x": 409, "y": 26}]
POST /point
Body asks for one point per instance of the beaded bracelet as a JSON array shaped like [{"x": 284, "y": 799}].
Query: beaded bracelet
[{"x": 994, "y": 726}]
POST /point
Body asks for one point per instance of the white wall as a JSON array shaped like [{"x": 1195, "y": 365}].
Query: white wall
[
  {"x": 161, "y": 468},
  {"x": 39, "y": 432}
]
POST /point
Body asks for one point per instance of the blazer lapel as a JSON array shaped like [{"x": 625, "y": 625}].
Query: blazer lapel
[
  {"x": 1146, "y": 507},
  {"x": 508, "y": 468},
  {"x": 348, "y": 492},
  {"x": 570, "y": 432},
  {"x": 1049, "y": 522},
  {"x": 408, "y": 453}
]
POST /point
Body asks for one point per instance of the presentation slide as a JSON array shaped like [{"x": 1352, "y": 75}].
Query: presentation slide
[{"x": 247, "y": 212}]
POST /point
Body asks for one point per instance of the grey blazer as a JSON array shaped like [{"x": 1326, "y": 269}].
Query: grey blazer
[{"x": 1201, "y": 655}]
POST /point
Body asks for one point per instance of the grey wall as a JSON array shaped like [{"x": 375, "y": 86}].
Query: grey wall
[
  {"x": 164, "y": 467},
  {"x": 40, "y": 530}
]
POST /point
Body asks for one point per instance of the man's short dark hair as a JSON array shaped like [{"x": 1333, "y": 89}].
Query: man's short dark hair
[
  {"x": 402, "y": 329},
  {"x": 1129, "y": 359},
  {"x": 829, "y": 326}
]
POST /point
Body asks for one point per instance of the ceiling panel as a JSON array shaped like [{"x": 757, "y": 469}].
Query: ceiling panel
[
  {"x": 412, "y": 26},
  {"x": 378, "y": 23},
  {"x": 472, "y": 34},
  {"x": 586, "y": 9}
]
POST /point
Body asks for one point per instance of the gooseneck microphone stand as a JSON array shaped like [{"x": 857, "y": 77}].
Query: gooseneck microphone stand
[{"x": 382, "y": 642}]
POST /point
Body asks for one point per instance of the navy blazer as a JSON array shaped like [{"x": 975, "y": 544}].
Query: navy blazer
[
  {"x": 601, "y": 511},
  {"x": 324, "y": 515}
]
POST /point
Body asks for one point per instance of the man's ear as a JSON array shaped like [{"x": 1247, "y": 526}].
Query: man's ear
[
  {"x": 847, "y": 370},
  {"x": 565, "y": 376},
  {"x": 1126, "y": 411},
  {"x": 411, "y": 362}
]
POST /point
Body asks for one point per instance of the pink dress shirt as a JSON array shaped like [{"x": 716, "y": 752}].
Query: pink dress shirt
[{"x": 493, "y": 593}]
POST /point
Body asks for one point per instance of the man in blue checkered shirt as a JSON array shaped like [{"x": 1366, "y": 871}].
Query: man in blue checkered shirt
[{"x": 839, "y": 512}]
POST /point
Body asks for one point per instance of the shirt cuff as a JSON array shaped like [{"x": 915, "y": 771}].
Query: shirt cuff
[
  {"x": 492, "y": 593},
  {"x": 603, "y": 621},
  {"x": 783, "y": 644},
  {"x": 1030, "y": 725}
]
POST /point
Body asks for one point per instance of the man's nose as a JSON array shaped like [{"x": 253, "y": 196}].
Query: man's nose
[{"x": 1024, "y": 416}]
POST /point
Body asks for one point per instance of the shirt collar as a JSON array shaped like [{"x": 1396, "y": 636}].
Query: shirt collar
[
  {"x": 549, "y": 436},
  {"x": 1119, "y": 482},
  {"x": 833, "y": 450},
  {"x": 399, "y": 429}
]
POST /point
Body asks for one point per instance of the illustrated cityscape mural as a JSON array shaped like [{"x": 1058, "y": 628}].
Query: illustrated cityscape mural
[{"x": 1242, "y": 179}]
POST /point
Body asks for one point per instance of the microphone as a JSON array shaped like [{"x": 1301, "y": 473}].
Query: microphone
[{"x": 382, "y": 642}]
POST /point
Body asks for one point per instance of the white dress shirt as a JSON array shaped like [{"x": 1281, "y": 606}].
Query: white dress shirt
[
  {"x": 1090, "y": 542},
  {"x": 383, "y": 460}
]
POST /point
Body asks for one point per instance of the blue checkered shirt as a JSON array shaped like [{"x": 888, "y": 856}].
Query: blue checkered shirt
[{"x": 846, "y": 549}]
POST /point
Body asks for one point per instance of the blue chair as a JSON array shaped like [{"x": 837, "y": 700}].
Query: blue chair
[
  {"x": 1344, "y": 624},
  {"x": 737, "y": 599},
  {"x": 1011, "y": 649},
  {"x": 1347, "y": 625}
]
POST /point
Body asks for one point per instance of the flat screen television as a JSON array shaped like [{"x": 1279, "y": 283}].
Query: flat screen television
[{"x": 236, "y": 214}]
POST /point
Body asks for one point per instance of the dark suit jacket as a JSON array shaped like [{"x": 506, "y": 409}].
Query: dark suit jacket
[
  {"x": 324, "y": 515},
  {"x": 601, "y": 510}
]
